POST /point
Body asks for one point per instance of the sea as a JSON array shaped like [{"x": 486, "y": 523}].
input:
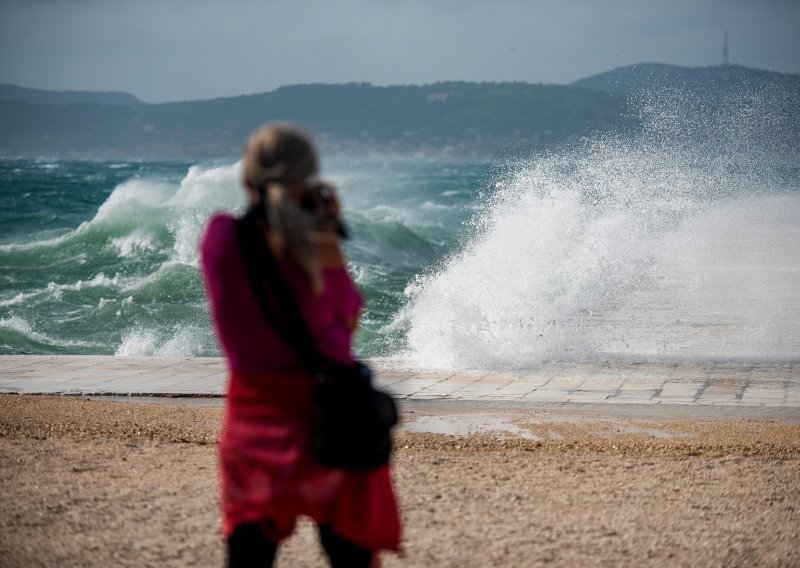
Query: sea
[{"x": 677, "y": 243}]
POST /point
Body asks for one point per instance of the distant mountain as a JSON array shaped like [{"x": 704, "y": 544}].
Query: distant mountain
[
  {"x": 442, "y": 119},
  {"x": 23, "y": 94},
  {"x": 715, "y": 80}
]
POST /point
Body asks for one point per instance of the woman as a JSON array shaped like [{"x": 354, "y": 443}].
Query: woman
[{"x": 268, "y": 474}]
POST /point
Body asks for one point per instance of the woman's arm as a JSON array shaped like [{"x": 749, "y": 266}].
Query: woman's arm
[{"x": 332, "y": 257}]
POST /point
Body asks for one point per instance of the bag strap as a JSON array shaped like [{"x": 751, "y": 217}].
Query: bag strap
[{"x": 281, "y": 311}]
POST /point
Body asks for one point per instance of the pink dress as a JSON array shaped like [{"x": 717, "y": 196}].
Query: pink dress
[{"x": 268, "y": 474}]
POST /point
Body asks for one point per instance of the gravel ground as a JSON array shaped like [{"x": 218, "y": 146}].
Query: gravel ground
[{"x": 93, "y": 483}]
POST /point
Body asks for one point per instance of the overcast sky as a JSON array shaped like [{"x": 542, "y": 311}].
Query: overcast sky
[{"x": 168, "y": 50}]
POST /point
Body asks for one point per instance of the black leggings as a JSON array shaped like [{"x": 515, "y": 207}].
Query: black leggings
[{"x": 248, "y": 547}]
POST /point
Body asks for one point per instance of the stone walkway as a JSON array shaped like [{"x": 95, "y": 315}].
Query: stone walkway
[{"x": 775, "y": 385}]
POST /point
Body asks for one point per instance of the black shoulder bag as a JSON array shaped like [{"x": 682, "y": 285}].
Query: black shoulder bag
[{"x": 353, "y": 420}]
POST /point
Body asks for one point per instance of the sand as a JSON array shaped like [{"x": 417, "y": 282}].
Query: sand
[{"x": 94, "y": 483}]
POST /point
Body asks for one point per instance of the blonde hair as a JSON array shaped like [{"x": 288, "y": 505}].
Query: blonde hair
[
  {"x": 278, "y": 153},
  {"x": 276, "y": 160}
]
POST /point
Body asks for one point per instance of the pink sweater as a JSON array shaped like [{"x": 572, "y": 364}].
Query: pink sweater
[
  {"x": 248, "y": 342},
  {"x": 266, "y": 466}
]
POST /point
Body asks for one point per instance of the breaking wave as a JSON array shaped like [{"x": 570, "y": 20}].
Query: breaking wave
[{"x": 680, "y": 243}]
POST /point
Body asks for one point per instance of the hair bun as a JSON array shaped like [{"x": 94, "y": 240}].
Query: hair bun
[{"x": 279, "y": 153}]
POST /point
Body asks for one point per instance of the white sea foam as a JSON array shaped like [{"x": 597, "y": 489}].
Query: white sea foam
[
  {"x": 21, "y": 326},
  {"x": 20, "y": 298},
  {"x": 545, "y": 283},
  {"x": 139, "y": 208},
  {"x": 55, "y": 291},
  {"x": 99, "y": 280},
  {"x": 202, "y": 191},
  {"x": 681, "y": 244},
  {"x": 136, "y": 242},
  {"x": 152, "y": 206},
  {"x": 387, "y": 214},
  {"x": 14, "y": 247},
  {"x": 184, "y": 341},
  {"x": 134, "y": 201},
  {"x": 432, "y": 206}
]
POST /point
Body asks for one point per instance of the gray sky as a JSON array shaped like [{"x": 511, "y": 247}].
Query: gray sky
[{"x": 167, "y": 50}]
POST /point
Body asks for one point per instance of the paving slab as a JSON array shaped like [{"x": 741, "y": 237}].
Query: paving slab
[{"x": 613, "y": 383}]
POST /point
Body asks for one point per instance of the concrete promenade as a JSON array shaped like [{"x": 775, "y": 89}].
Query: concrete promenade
[{"x": 730, "y": 385}]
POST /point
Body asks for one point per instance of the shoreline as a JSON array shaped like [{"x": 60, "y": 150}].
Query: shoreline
[{"x": 608, "y": 382}]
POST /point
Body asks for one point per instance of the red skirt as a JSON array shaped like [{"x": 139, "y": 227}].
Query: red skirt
[{"x": 268, "y": 474}]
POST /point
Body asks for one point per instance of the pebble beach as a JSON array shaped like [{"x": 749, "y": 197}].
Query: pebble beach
[{"x": 99, "y": 483}]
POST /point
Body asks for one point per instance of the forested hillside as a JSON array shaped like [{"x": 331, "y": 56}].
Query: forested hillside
[{"x": 442, "y": 119}]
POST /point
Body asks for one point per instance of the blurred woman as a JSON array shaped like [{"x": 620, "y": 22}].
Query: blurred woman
[{"x": 268, "y": 474}]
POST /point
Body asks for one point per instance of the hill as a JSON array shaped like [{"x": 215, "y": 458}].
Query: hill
[
  {"x": 708, "y": 81},
  {"x": 23, "y": 94},
  {"x": 441, "y": 119}
]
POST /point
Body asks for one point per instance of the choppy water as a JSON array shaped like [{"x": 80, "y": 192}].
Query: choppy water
[
  {"x": 102, "y": 257},
  {"x": 683, "y": 243}
]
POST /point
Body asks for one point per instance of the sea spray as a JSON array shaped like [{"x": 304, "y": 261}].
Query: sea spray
[{"x": 678, "y": 243}]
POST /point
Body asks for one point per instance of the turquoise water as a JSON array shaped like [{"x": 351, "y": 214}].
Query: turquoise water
[{"x": 100, "y": 257}]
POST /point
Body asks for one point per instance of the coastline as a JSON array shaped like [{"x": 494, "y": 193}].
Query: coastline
[{"x": 739, "y": 385}]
